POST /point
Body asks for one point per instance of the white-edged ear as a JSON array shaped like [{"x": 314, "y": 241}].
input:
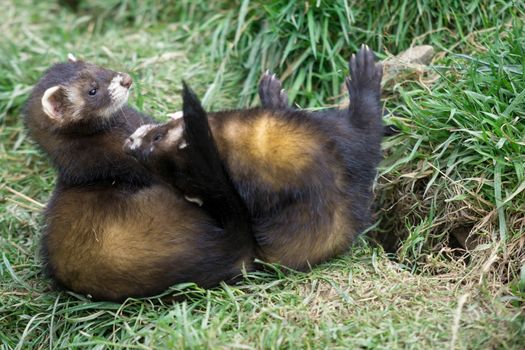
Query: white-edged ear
[
  {"x": 52, "y": 102},
  {"x": 176, "y": 115},
  {"x": 71, "y": 57}
]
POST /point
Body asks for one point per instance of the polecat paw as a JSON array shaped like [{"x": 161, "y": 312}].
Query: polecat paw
[
  {"x": 365, "y": 73},
  {"x": 271, "y": 93}
]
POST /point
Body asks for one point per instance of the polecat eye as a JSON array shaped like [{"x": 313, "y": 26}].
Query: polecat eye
[
  {"x": 92, "y": 92},
  {"x": 157, "y": 138}
]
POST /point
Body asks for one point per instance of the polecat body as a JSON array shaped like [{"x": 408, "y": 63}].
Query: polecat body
[
  {"x": 306, "y": 178},
  {"x": 112, "y": 229}
]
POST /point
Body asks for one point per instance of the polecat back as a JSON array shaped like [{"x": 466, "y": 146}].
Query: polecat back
[
  {"x": 306, "y": 178},
  {"x": 112, "y": 229}
]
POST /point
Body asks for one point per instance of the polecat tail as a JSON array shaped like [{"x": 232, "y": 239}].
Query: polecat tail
[{"x": 209, "y": 177}]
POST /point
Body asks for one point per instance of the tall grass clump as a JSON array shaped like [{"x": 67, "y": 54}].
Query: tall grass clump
[
  {"x": 309, "y": 42},
  {"x": 460, "y": 165}
]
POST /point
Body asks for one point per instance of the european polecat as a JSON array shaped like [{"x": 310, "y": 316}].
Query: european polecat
[
  {"x": 306, "y": 178},
  {"x": 113, "y": 230}
]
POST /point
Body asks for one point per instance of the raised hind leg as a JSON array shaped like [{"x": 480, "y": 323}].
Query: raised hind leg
[
  {"x": 272, "y": 95},
  {"x": 364, "y": 86},
  {"x": 271, "y": 92}
]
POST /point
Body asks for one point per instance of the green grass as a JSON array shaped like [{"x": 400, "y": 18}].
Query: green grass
[{"x": 458, "y": 168}]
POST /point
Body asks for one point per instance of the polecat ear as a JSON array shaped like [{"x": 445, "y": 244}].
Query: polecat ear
[
  {"x": 176, "y": 115},
  {"x": 53, "y": 102},
  {"x": 71, "y": 57}
]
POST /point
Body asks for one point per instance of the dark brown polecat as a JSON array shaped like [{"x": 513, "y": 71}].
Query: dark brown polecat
[
  {"x": 306, "y": 178},
  {"x": 113, "y": 230}
]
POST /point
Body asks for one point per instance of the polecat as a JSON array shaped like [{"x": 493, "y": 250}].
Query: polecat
[
  {"x": 306, "y": 178},
  {"x": 113, "y": 230}
]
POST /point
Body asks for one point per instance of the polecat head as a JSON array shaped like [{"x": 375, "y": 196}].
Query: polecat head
[
  {"x": 164, "y": 148},
  {"x": 155, "y": 144},
  {"x": 79, "y": 92}
]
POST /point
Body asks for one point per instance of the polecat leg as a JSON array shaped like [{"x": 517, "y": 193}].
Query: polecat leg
[
  {"x": 271, "y": 92},
  {"x": 364, "y": 86}
]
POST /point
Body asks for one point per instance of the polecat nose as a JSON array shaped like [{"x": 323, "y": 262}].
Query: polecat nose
[
  {"x": 126, "y": 80},
  {"x": 127, "y": 145}
]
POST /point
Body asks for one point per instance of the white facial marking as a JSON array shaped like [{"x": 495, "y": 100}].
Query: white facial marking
[
  {"x": 139, "y": 134},
  {"x": 47, "y": 105},
  {"x": 174, "y": 135},
  {"x": 115, "y": 84},
  {"x": 195, "y": 200},
  {"x": 74, "y": 96},
  {"x": 118, "y": 94},
  {"x": 183, "y": 144}
]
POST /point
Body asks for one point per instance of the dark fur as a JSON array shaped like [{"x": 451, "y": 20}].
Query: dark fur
[
  {"x": 112, "y": 229},
  {"x": 306, "y": 178}
]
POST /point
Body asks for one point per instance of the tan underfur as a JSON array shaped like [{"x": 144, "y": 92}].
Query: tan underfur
[
  {"x": 312, "y": 247},
  {"x": 340, "y": 238},
  {"x": 275, "y": 150},
  {"x": 135, "y": 239}
]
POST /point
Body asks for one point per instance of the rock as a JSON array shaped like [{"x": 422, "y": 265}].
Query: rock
[
  {"x": 415, "y": 55},
  {"x": 408, "y": 65}
]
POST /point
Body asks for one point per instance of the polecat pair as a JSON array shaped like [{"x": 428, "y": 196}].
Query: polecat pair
[
  {"x": 306, "y": 178},
  {"x": 112, "y": 229}
]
